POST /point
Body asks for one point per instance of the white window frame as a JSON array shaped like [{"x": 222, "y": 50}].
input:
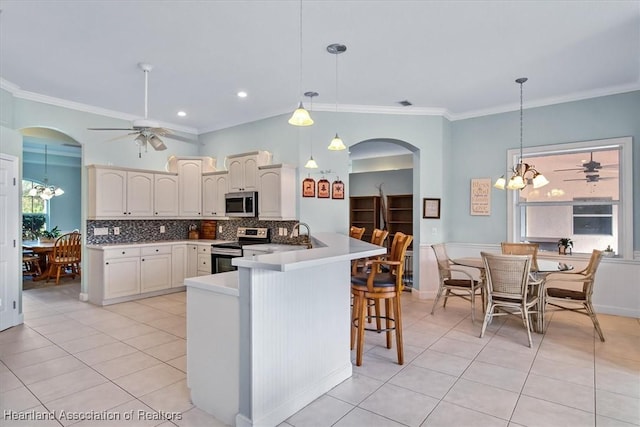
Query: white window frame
[{"x": 625, "y": 212}]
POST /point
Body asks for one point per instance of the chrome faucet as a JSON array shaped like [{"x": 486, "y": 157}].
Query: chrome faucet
[{"x": 297, "y": 227}]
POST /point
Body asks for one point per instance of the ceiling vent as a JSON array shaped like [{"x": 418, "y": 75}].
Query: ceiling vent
[{"x": 405, "y": 103}]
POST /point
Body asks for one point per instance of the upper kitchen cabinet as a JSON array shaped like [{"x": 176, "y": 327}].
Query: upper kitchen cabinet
[
  {"x": 277, "y": 192},
  {"x": 214, "y": 186},
  {"x": 243, "y": 170},
  {"x": 115, "y": 193},
  {"x": 190, "y": 187},
  {"x": 165, "y": 195}
]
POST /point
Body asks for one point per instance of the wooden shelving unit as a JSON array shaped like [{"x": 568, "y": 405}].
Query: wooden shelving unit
[
  {"x": 364, "y": 211},
  {"x": 399, "y": 214}
]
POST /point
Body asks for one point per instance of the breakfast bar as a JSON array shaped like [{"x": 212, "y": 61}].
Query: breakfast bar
[{"x": 268, "y": 339}]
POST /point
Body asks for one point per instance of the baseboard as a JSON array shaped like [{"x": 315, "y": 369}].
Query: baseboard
[
  {"x": 84, "y": 297},
  {"x": 417, "y": 293},
  {"x": 616, "y": 311}
]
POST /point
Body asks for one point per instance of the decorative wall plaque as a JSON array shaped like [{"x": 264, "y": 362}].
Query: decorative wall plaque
[
  {"x": 481, "y": 196},
  {"x": 308, "y": 187},
  {"x": 324, "y": 189},
  {"x": 337, "y": 189}
]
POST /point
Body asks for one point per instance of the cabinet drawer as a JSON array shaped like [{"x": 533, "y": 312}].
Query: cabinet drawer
[
  {"x": 204, "y": 261},
  {"x": 204, "y": 249},
  {"x": 155, "y": 250},
  {"x": 121, "y": 253}
]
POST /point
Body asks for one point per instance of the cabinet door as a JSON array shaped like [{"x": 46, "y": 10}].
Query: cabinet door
[
  {"x": 190, "y": 192},
  {"x": 236, "y": 174},
  {"x": 214, "y": 187},
  {"x": 110, "y": 193},
  {"x": 178, "y": 265},
  {"x": 139, "y": 194},
  {"x": 204, "y": 264},
  {"x": 250, "y": 173},
  {"x": 121, "y": 277},
  {"x": 165, "y": 195},
  {"x": 155, "y": 272},
  {"x": 192, "y": 261},
  {"x": 269, "y": 200}
]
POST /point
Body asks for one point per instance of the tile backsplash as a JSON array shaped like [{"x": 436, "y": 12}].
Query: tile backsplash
[{"x": 139, "y": 231}]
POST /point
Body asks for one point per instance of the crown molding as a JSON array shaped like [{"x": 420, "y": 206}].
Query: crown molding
[{"x": 58, "y": 102}]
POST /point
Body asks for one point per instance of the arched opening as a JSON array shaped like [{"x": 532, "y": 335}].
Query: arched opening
[
  {"x": 387, "y": 168},
  {"x": 50, "y": 159}
]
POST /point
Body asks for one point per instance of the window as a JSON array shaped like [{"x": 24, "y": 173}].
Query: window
[
  {"x": 35, "y": 212},
  {"x": 588, "y": 198}
]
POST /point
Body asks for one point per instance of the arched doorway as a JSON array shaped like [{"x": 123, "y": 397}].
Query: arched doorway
[
  {"x": 52, "y": 158},
  {"x": 388, "y": 168}
]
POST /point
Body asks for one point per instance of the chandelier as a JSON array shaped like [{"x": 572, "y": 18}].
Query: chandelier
[
  {"x": 45, "y": 191},
  {"x": 523, "y": 173}
]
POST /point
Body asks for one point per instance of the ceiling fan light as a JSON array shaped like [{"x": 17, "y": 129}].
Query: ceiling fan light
[
  {"x": 500, "y": 183},
  {"x": 311, "y": 164},
  {"x": 141, "y": 140},
  {"x": 336, "y": 144},
  {"x": 300, "y": 117},
  {"x": 156, "y": 143},
  {"x": 539, "y": 180}
]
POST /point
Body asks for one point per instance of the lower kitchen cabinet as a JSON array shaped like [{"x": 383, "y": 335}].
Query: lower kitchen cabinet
[
  {"x": 155, "y": 268},
  {"x": 178, "y": 264},
  {"x": 121, "y": 277}
]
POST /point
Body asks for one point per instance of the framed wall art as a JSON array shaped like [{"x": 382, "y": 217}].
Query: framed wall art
[
  {"x": 308, "y": 187},
  {"x": 431, "y": 208},
  {"x": 481, "y": 196},
  {"x": 337, "y": 190},
  {"x": 324, "y": 189}
]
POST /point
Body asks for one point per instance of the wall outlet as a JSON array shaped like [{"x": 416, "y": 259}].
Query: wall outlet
[
  {"x": 219, "y": 229},
  {"x": 285, "y": 232},
  {"x": 100, "y": 231},
  {"x": 163, "y": 229},
  {"x": 434, "y": 231},
  {"x": 116, "y": 231}
]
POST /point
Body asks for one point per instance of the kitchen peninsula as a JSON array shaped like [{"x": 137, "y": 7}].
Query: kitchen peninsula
[{"x": 268, "y": 339}]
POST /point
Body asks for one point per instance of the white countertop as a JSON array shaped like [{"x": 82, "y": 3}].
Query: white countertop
[
  {"x": 337, "y": 247},
  {"x": 222, "y": 283}
]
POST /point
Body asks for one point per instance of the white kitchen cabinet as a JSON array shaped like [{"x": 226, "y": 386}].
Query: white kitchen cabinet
[
  {"x": 277, "y": 192},
  {"x": 190, "y": 187},
  {"x": 139, "y": 194},
  {"x": 204, "y": 259},
  {"x": 178, "y": 264},
  {"x": 214, "y": 187},
  {"x": 165, "y": 195},
  {"x": 117, "y": 193},
  {"x": 243, "y": 170},
  {"x": 192, "y": 260},
  {"x": 121, "y": 272},
  {"x": 155, "y": 268}
]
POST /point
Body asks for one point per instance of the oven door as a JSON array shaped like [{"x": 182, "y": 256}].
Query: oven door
[{"x": 221, "y": 262}]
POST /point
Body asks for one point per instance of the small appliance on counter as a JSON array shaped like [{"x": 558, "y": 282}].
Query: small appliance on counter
[
  {"x": 193, "y": 232},
  {"x": 222, "y": 253}
]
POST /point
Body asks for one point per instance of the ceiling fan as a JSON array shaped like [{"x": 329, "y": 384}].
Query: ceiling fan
[
  {"x": 147, "y": 131},
  {"x": 588, "y": 167},
  {"x": 592, "y": 178}
]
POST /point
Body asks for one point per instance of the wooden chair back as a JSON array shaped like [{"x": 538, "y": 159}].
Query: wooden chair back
[
  {"x": 67, "y": 249},
  {"x": 356, "y": 232},
  {"x": 509, "y": 248},
  {"x": 397, "y": 254},
  {"x": 379, "y": 236}
]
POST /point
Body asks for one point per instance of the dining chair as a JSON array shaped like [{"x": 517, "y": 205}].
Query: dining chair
[
  {"x": 578, "y": 301},
  {"x": 385, "y": 285},
  {"x": 466, "y": 288},
  {"x": 507, "y": 279},
  {"x": 30, "y": 264},
  {"x": 356, "y": 232},
  {"x": 66, "y": 256},
  {"x": 510, "y": 248}
]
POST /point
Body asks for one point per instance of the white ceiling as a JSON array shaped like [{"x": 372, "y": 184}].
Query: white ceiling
[{"x": 457, "y": 58}]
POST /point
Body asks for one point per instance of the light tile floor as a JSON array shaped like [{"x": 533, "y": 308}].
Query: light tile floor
[{"x": 130, "y": 358}]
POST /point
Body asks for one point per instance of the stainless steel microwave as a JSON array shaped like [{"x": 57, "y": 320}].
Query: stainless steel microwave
[{"x": 243, "y": 204}]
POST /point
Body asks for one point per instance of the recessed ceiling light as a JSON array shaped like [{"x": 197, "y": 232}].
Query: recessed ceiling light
[
  {"x": 242, "y": 94},
  {"x": 182, "y": 114}
]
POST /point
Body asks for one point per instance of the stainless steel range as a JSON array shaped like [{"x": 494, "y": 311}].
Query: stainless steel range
[{"x": 223, "y": 253}]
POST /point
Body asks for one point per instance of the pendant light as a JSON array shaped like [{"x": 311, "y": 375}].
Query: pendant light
[
  {"x": 336, "y": 49},
  {"x": 523, "y": 173},
  {"x": 300, "y": 116},
  {"x": 311, "y": 164},
  {"x": 46, "y": 191}
]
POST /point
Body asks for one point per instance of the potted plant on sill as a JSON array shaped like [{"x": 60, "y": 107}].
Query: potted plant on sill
[
  {"x": 565, "y": 244},
  {"x": 50, "y": 235}
]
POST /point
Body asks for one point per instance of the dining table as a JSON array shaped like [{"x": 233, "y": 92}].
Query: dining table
[
  {"x": 537, "y": 282},
  {"x": 44, "y": 250}
]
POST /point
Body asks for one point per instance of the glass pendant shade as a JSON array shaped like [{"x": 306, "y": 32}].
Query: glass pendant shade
[
  {"x": 301, "y": 117},
  {"x": 45, "y": 191},
  {"x": 336, "y": 144},
  {"x": 516, "y": 183},
  {"x": 311, "y": 164},
  {"x": 500, "y": 183},
  {"x": 539, "y": 180}
]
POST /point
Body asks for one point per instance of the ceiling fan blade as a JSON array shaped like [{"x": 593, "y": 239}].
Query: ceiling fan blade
[
  {"x": 120, "y": 137},
  {"x": 110, "y": 129},
  {"x": 570, "y": 169}
]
